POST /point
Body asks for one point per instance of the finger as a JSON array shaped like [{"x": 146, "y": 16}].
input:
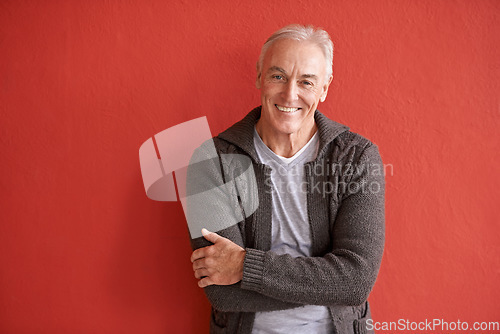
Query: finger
[
  {"x": 201, "y": 273},
  {"x": 210, "y": 236},
  {"x": 204, "y": 282},
  {"x": 198, "y": 264},
  {"x": 198, "y": 254}
]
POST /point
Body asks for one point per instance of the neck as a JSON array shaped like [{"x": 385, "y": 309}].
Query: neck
[{"x": 285, "y": 144}]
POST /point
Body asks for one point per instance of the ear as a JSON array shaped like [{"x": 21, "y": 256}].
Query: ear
[
  {"x": 325, "y": 89},
  {"x": 257, "y": 81}
]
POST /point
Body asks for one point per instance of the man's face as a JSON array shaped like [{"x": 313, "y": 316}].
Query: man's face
[{"x": 292, "y": 83}]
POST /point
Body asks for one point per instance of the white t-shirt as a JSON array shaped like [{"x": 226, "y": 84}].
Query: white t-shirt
[{"x": 291, "y": 234}]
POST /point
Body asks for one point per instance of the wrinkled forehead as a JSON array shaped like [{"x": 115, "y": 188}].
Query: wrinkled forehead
[{"x": 303, "y": 57}]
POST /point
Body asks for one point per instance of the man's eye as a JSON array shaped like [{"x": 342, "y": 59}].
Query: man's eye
[
  {"x": 277, "y": 77},
  {"x": 307, "y": 83}
]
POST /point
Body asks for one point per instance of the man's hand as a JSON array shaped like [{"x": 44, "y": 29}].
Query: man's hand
[{"x": 220, "y": 263}]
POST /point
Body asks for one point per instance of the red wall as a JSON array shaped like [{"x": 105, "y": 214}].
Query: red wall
[{"x": 84, "y": 83}]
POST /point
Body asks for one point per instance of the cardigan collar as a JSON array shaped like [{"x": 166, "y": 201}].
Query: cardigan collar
[{"x": 241, "y": 134}]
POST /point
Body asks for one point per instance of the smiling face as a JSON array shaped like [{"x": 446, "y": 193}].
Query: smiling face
[{"x": 292, "y": 83}]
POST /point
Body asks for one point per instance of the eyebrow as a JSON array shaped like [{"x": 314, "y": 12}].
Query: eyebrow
[
  {"x": 276, "y": 68},
  {"x": 279, "y": 69},
  {"x": 310, "y": 76}
]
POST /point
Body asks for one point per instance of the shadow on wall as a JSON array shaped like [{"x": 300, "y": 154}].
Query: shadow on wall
[{"x": 152, "y": 276}]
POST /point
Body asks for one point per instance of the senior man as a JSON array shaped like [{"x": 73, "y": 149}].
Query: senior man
[{"x": 306, "y": 260}]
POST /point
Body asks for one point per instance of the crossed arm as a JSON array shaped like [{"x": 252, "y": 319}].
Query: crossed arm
[{"x": 249, "y": 280}]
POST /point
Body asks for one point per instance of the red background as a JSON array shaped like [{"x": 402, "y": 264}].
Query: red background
[{"x": 84, "y": 83}]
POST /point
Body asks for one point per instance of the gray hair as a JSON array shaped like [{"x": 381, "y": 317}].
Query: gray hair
[{"x": 301, "y": 33}]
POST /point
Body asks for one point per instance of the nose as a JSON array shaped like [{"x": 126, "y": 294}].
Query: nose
[{"x": 291, "y": 91}]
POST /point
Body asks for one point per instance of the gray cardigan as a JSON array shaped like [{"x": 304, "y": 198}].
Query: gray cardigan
[{"x": 345, "y": 204}]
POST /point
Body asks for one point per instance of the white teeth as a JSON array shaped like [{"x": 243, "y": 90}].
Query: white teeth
[{"x": 285, "y": 109}]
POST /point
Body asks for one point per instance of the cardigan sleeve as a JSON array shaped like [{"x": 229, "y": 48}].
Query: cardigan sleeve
[
  {"x": 214, "y": 203},
  {"x": 346, "y": 274}
]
